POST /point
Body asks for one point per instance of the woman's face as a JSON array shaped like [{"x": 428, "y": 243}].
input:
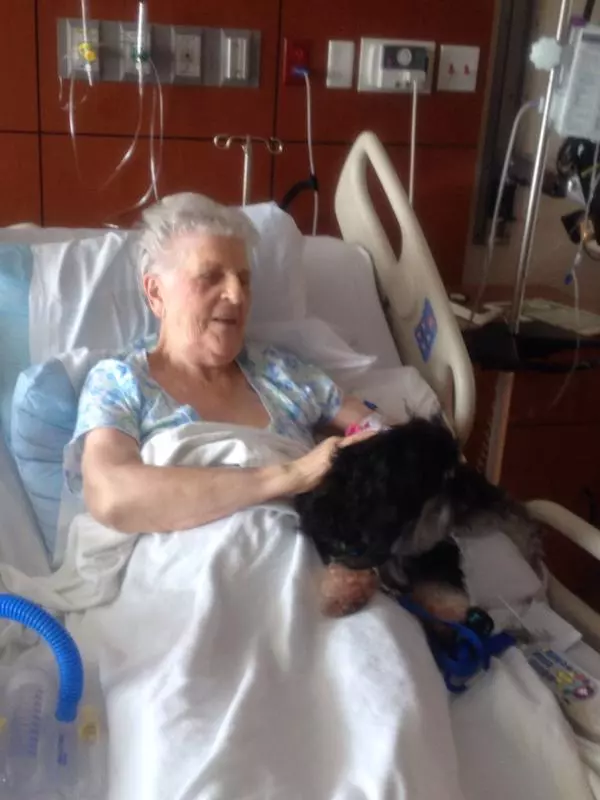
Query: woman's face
[{"x": 202, "y": 297}]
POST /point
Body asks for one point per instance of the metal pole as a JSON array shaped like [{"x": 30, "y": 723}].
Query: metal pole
[
  {"x": 223, "y": 141},
  {"x": 247, "y": 177},
  {"x": 413, "y": 143},
  {"x": 505, "y": 383}
]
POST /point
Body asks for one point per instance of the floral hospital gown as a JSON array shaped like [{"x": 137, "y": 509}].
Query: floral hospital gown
[{"x": 120, "y": 393}]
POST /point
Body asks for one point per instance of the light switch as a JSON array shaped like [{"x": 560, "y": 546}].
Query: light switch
[
  {"x": 458, "y": 68},
  {"x": 235, "y": 57},
  {"x": 340, "y": 64}
]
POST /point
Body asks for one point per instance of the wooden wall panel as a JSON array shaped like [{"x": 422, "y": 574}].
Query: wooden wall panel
[
  {"x": 187, "y": 166},
  {"x": 449, "y": 124},
  {"x": 339, "y": 115},
  {"x": 444, "y": 181},
  {"x": 19, "y": 178},
  {"x": 112, "y": 108},
  {"x": 18, "y": 76}
]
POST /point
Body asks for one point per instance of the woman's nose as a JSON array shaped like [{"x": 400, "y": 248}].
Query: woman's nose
[{"x": 234, "y": 291}]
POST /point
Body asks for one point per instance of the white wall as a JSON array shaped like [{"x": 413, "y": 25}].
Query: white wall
[{"x": 553, "y": 252}]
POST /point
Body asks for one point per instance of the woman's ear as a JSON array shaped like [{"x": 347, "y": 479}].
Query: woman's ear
[{"x": 153, "y": 291}]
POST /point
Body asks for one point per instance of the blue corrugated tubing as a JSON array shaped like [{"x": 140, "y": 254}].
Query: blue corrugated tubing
[{"x": 70, "y": 666}]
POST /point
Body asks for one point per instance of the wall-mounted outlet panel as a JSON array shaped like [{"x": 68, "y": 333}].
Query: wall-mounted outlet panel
[
  {"x": 186, "y": 54},
  {"x": 296, "y": 56},
  {"x": 393, "y": 65},
  {"x": 130, "y": 65},
  {"x": 179, "y": 54},
  {"x": 458, "y": 70},
  {"x": 75, "y": 57}
]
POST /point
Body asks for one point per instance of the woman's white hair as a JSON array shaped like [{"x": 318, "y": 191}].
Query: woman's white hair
[{"x": 184, "y": 213}]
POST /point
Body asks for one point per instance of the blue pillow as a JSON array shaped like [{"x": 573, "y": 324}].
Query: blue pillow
[
  {"x": 44, "y": 415},
  {"x": 16, "y": 267}
]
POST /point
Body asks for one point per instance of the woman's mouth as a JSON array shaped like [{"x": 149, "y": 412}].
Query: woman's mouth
[{"x": 228, "y": 321}]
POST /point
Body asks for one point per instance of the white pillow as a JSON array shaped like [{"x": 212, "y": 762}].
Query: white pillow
[
  {"x": 316, "y": 343},
  {"x": 341, "y": 289},
  {"x": 85, "y": 292}
]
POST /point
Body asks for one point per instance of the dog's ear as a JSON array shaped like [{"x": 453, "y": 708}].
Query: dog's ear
[
  {"x": 468, "y": 490},
  {"x": 434, "y": 526}
]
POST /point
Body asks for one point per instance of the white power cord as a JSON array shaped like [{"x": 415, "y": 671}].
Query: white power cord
[{"x": 311, "y": 155}]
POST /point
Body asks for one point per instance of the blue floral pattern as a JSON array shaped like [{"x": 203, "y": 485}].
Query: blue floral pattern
[{"x": 120, "y": 393}]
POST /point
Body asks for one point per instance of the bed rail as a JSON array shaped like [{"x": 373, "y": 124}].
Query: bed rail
[
  {"x": 584, "y": 535},
  {"x": 417, "y": 306}
]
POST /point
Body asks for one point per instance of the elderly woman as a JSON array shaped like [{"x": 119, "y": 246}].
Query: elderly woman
[{"x": 196, "y": 278}]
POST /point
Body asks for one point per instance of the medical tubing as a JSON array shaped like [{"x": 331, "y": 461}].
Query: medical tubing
[
  {"x": 142, "y": 24},
  {"x": 86, "y": 38},
  {"x": 491, "y": 243},
  {"x": 70, "y": 666}
]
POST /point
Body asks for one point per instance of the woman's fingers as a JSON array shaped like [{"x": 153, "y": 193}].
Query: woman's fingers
[{"x": 356, "y": 437}]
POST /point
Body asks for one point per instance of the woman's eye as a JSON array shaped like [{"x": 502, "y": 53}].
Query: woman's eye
[
  {"x": 211, "y": 278},
  {"x": 244, "y": 278}
]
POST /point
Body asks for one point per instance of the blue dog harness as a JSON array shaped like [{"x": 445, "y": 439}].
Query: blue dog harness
[{"x": 468, "y": 651}]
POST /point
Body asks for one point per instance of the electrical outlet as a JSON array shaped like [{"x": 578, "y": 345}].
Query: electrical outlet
[
  {"x": 296, "y": 55},
  {"x": 187, "y": 55},
  {"x": 458, "y": 69}
]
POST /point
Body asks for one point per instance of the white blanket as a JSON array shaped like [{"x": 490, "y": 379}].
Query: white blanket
[{"x": 224, "y": 681}]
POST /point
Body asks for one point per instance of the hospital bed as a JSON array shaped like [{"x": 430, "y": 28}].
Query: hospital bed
[{"x": 394, "y": 307}]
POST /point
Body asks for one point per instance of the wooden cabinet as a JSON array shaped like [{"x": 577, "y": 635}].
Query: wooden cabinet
[
  {"x": 553, "y": 453},
  {"x": 553, "y": 445}
]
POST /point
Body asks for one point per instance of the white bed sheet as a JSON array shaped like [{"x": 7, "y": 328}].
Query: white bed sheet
[
  {"x": 204, "y": 709},
  {"x": 20, "y": 538}
]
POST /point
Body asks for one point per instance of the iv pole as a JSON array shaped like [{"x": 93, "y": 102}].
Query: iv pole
[{"x": 505, "y": 382}]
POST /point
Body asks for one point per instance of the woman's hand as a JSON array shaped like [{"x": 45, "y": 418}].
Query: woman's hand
[{"x": 307, "y": 471}]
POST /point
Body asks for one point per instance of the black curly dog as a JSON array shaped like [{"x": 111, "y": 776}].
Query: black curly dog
[{"x": 396, "y": 502}]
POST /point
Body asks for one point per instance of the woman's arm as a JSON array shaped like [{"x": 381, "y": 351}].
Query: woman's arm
[{"x": 124, "y": 493}]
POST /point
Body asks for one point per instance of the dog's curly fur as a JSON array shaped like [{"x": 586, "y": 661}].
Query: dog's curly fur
[{"x": 396, "y": 502}]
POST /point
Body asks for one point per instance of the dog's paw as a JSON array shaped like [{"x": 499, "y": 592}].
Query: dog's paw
[
  {"x": 345, "y": 591},
  {"x": 442, "y": 601}
]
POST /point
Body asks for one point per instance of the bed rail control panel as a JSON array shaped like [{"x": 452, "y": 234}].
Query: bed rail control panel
[{"x": 395, "y": 65}]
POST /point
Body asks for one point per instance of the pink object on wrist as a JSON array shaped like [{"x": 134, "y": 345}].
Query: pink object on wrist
[
  {"x": 352, "y": 429},
  {"x": 372, "y": 422}
]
